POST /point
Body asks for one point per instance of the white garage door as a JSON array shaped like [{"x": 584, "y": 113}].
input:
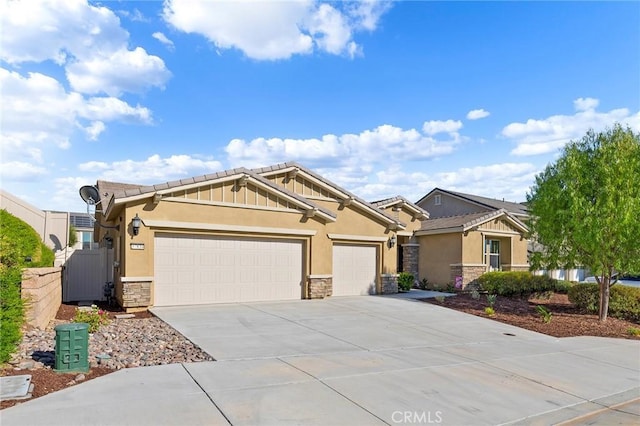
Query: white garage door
[
  {"x": 191, "y": 269},
  {"x": 354, "y": 270}
]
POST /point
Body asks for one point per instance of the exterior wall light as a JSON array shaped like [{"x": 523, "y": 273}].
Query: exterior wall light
[
  {"x": 136, "y": 222},
  {"x": 392, "y": 241}
]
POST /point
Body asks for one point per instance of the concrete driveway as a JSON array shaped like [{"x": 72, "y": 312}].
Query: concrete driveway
[{"x": 358, "y": 360}]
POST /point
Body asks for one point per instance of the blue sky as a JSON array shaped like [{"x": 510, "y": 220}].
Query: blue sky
[{"x": 384, "y": 98}]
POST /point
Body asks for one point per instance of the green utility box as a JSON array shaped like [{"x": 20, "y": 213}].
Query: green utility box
[{"x": 72, "y": 348}]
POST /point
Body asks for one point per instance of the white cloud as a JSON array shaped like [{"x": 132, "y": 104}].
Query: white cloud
[
  {"x": 121, "y": 71},
  {"x": 505, "y": 180},
  {"x": 37, "y": 111},
  {"x": 585, "y": 104},
  {"x": 476, "y": 114},
  {"x": 276, "y": 30},
  {"x": 547, "y": 135},
  {"x": 21, "y": 171},
  {"x": 436, "y": 126},
  {"x": 94, "y": 129},
  {"x": 86, "y": 40},
  {"x": 367, "y": 13},
  {"x": 368, "y": 147},
  {"x": 153, "y": 170},
  {"x": 163, "y": 39}
]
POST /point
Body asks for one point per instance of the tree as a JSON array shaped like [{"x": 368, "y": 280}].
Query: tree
[
  {"x": 585, "y": 208},
  {"x": 73, "y": 236}
]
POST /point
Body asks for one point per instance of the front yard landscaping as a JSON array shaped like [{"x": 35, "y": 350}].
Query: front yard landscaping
[{"x": 566, "y": 319}]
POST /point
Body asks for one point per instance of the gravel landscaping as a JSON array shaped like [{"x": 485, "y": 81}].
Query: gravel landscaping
[{"x": 143, "y": 340}]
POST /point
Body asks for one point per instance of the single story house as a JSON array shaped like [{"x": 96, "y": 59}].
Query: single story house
[
  {"x": 274, "y": 233},
  {"x": 458, "y": 249}
]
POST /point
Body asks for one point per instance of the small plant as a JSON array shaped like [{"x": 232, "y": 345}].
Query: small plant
[
  {"x": 440, "y": 299},
  {"x": 633, "y": 331},
  {"x": 424, "y": 284},
  {"x": 405, "y": 281},
  {"x": 94, "y": 317},
  {"x": 545, "y": 314},
  {"x": 491, "y": 299},
  {"x": 475, "y": 294},
  {"x": 489, "y": 311}
]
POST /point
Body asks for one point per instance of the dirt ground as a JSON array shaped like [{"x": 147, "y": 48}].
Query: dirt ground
[{"x": 566, "y": 321}]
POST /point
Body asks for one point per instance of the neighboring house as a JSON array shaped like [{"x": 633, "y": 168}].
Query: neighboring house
[
  {"x": 458, "y": 249},
  {"x": 442, "y": 203},
  {"x": 53, "y": 227},
  {"x": 274, "y": 233},
  {"x": 83, "y": 223}
]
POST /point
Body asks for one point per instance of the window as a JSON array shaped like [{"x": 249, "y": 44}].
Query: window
[
  {"x": 492, "y": 252},
  {"x": 87, "y": 240},
  {"x": 437, "y": 199}
]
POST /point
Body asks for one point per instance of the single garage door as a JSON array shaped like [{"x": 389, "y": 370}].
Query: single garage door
[
  {"x": 354, "y": 270},
  {"x": 193, "y": 269}
]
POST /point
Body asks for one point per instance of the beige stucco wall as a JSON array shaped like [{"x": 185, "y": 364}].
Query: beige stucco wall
[
  {"x": 472, "y": 248},
  {"x": 352, "y": 223},
  {"x": 437, "y": 253}
]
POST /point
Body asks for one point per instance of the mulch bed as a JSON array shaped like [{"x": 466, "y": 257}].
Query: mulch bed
[{"x": 566, "y": 320}]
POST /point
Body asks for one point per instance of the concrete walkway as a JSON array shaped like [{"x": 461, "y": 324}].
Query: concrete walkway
[{"x": 360, "y": 360}]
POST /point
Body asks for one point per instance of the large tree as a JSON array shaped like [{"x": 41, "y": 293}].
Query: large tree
[{"x": 585, "y": 208}]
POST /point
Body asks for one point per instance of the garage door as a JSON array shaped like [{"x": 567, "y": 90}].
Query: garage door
[
  {"x": 191, "y": 269},
  {"x": 354, "y": 270}
]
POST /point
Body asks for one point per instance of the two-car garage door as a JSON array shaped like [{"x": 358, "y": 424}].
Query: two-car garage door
[{"x": 192, "y": 269}]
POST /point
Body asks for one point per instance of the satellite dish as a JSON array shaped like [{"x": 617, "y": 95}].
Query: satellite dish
[{"x": 89, "y": 194}]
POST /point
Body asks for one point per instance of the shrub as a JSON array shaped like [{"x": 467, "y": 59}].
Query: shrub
[
  {"x": 491, "y": 299},
  {"x": 405, "y": 281},
  {"x": 11, "y": 311},
  {"x": 95, "y": 317},
  {"x": 19, "y": 241},
  {"x": 489, "y": 311},
  {"x": 545, "y": 314},
  {"x": 516, "y": 283},
  {"x": 624, "y": 301}
]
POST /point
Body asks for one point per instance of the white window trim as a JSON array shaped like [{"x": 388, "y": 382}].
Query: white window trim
[{"x": 437, "y": 200}]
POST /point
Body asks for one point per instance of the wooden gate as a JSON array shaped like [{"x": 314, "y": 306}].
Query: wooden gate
[{"x": 85, "y": 274}]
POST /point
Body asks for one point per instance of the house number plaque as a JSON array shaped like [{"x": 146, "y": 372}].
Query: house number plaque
[{"x": 137, "y": 246}]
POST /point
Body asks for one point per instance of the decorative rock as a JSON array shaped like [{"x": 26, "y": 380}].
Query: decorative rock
[
  {"x": 80, "y": 377},
  {"x": 127, "y": 342},
  {"x": 27, "y": 364},
  {"x": 125, "y": 316}
]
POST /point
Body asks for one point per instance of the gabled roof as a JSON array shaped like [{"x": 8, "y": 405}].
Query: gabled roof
[
  {"x": 491, "y": 203},
  {"x": 466, "y": 222},
  {"x": 331, "y": 186},
  {"x": 400, "y": 201},
  {"x": 119, "y": 193}
]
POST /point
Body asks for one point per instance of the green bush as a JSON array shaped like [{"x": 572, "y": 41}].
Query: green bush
[
  {"x": 624, "y": 301},
  {"x": 19, "y": 241},
  {"x": 94, "y": 317},
  {"x": 11, "y": 311},
  {"x": 518, "y": 283},
  {"x": 405, "y": 281}
]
